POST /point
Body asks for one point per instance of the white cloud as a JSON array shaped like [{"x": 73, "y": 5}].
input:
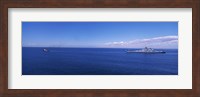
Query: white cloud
[{"x": 157, "y": 42}]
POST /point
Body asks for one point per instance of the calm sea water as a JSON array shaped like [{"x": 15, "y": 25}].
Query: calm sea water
[{"x": 97, "y": 61}]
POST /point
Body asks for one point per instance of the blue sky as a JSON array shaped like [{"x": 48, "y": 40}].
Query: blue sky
[{"x": 100, "y": 34}]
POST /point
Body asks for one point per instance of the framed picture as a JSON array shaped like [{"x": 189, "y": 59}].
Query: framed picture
[{"x": 139, "y": 48}]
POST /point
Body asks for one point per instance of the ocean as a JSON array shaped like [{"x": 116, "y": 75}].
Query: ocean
[{"x": 97, "y": 61}]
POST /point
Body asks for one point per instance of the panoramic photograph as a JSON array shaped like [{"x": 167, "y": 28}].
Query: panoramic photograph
[{"x": 99, "y": 48}]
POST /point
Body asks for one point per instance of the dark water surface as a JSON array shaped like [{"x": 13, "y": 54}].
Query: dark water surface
[{"x": 97, "y": 61}]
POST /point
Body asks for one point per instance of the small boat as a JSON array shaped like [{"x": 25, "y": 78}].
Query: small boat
[
  {"x": 45, "y": 50},
  {"x": 145, "y": 50}
]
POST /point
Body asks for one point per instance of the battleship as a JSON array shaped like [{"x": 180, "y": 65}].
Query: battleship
[{"x": 145, "y": 50}]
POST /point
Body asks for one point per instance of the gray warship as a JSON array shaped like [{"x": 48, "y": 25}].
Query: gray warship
[{"x": 145, "y": 50}]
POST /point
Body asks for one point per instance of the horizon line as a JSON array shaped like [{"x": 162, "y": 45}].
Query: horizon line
[{"x": 92, "y": 47}]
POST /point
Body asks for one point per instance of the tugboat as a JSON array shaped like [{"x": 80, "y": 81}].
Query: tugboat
[
  {"x": 45, "y": 50},
  {"x": 145, "y": 50}
]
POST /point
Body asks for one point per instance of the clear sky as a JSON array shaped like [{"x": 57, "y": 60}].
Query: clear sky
[{"x": 100, "y": 34}]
